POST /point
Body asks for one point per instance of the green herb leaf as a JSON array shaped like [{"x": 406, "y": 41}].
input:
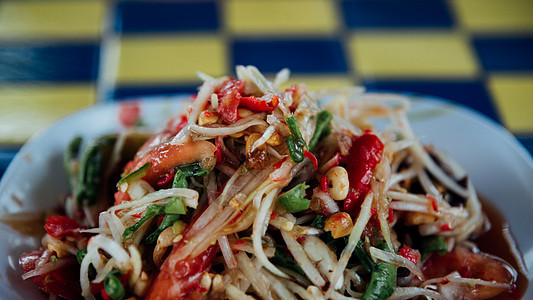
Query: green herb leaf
[
  {"x": 382, "y": 282},
  {"x": 284, "y": 259},
  {"x": 434, "y": 244},
  {"x": 80, "y": 255},
  {"x": 321, "y": 129},
  {"x": 168, "y": 221},
  {"x": 176, "y": 206},
  {"x": 193, "y": 169},
  {"x": 364, "y": 257},
  {"x": 293, "y": 200},
  {"x": 152, "y": 211},
  {"x": 90, "y": 169},
  {"x": 319, "y": 221}
]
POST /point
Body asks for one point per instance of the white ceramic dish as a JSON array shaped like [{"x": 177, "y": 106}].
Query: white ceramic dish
[{"x": 499, "y": 166}]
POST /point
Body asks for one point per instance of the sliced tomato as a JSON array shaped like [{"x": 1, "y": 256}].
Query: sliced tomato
[
  {"x": 60, "y": 226},
  {"x": 470, "y": 265},
  {"x": 166, "y": 156},
  {"x": 63, "y": 282},
  {"x": 179, "y": 280},
  {"x": 365, "y": 154}
]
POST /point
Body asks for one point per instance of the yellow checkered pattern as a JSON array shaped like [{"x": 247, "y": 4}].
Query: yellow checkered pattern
[{"x": 172, "y": 58}]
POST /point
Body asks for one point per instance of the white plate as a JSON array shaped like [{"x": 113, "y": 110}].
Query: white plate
[{"x": 499, "y": 166}]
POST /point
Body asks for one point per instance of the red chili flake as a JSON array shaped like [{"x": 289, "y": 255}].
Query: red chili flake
[
  {"x": 160, "y": 219},
  {"x": 391, "y": 215},
  {"x": 433, "y": 203},
  {"x": 292, "y": 89},
  {"x": 273, "y": 215},
  {"x": 312, "y": 158},
  {"x": 410, "y": 254},
  {"x": 239, "y": 242},
  {"x": 301, "y": 239},
  {"x": 279, "y": 163},
  {"x": 121, "y": 197},
  {"x": 167, "y": 178},
  {"x": 236, "y": 217},
  {"x": 373, "y": 211},
  {"x": 137, "y": 215},
  {"x": 445, "y": 281},
  {"x": 446, "y": 227},
  {"x": 324, "y": 185},
  {"x": 60, "y": 226},
  {"x": 182, "y": 124},
  {"x": 207, "y": 114},
  {"x": 218, "y": 153}
]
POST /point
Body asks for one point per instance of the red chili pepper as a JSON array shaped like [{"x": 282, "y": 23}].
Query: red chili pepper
[
  {"x": 231, "y": 97},
  {"x": 292, "y": 89},
  {"x": 137, "y": 215},
  {"x": 373, "y": 211},
  {"x": 104, "y": 295},
  {"x": 182, "y": 124},
  {"x": 324, "y": 186},
  {"x": 312, "y": 158},
  {"x": 229, "y": 100},
  {"x": 365, "y": 154},
  {"x": 239, "y": 242},
  {"x": 218, "y": 152},
  {"x": 273, "y": 215},
  {"x": 255, "y": 104},
  {"x": 391, "y": 215},
  {"x": 410, "y": 254},
  {"x": 167, "y": 178},
  {"x": 279, "y": 163},
  {"x": 236, "y": 217},
  {"x": 433, "y": 203},
  {"x": 121, "y": 197},
  {"x": 60, "y": 226},
  {"x": 446, "y": 227}
]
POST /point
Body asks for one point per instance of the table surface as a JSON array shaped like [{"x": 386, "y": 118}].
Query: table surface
[{"x": 60, "y": 56}]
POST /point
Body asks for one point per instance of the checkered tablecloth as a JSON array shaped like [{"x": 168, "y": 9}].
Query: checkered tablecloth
[{"x": 60, "y": 56}]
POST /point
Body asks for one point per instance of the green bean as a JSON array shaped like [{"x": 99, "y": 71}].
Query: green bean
[
  {"x": 296, "y": 148},
  {"x": 114, "y": 288},
  {"x": 137, "y": 174},
  {"x": 363, "y": 256},
  {"x": 321, "y": 128},
  {"x": 382, "y": 282},
  {"x": 434, "y": 244},
  {"x": 91, "y": 165},
  {"x": 72, "y": 153}
]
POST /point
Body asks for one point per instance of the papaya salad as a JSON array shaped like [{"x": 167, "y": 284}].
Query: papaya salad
[{"x": 253, "y": 191}]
